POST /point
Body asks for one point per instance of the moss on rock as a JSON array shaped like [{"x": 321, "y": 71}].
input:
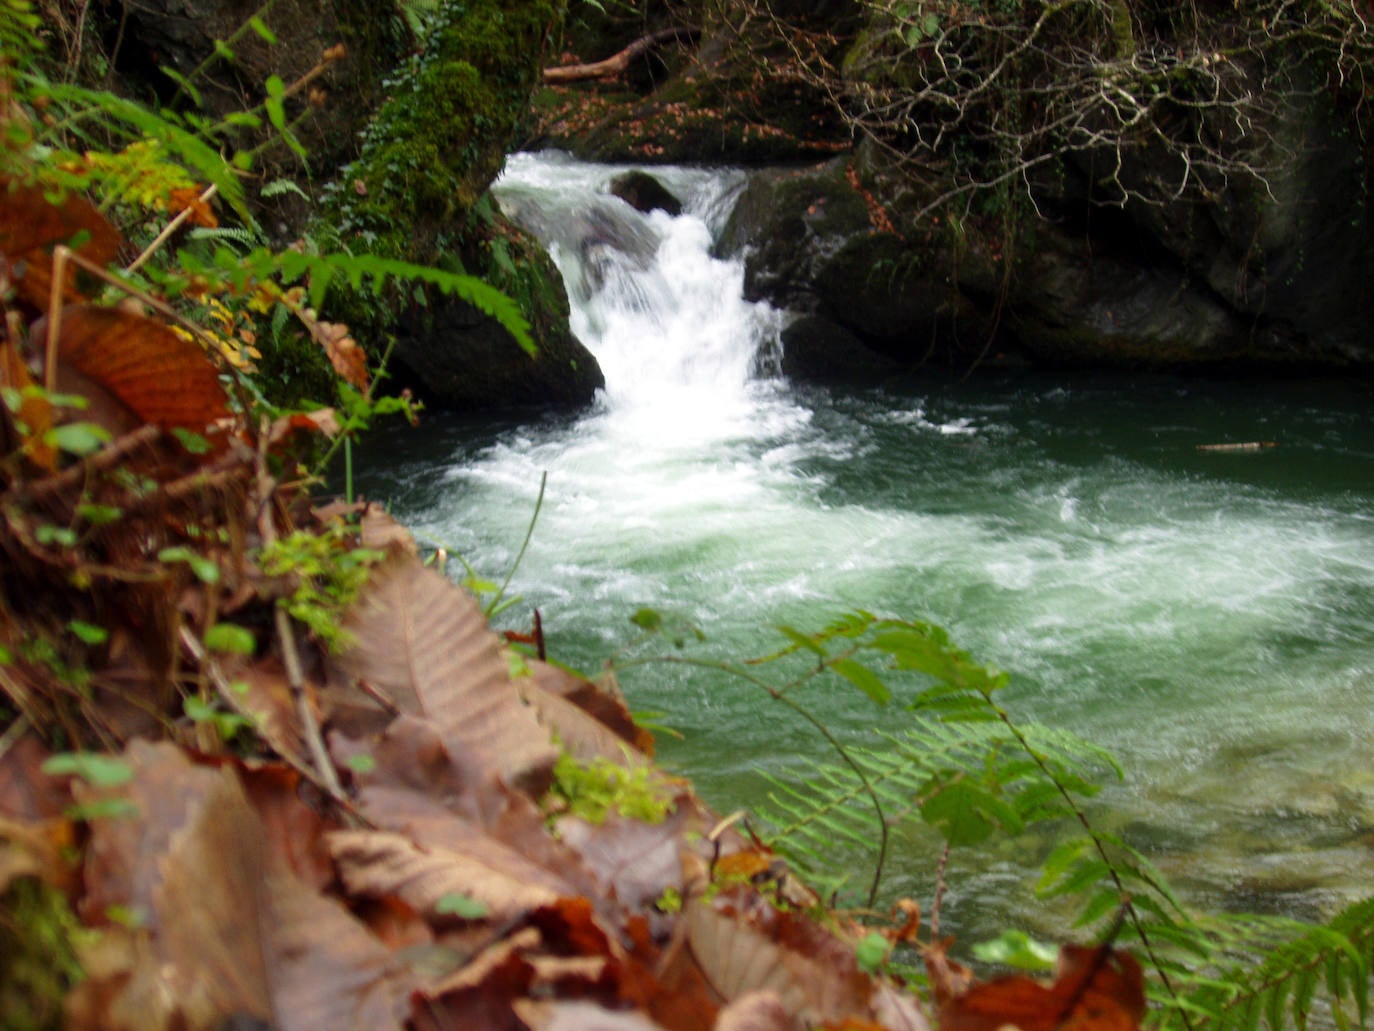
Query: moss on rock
[{"x": 418, "y": 193}]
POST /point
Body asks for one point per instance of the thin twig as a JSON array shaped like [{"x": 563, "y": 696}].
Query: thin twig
[
  {"x": 286, "y": 637},
  {"x": 168, "y": 230},
  {"x": 60, "y": 255},
  {"x": 230, "y": 697}
]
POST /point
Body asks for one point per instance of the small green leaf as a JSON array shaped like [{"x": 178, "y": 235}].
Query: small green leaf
[
  {"x": 99, "y": 515},
  {"x": 361, "y": 764},
  {"x": 78, "y": 438},
  {"x": 260, "y": 27},
  {"x": 88, "y": 632},
  {"x": 276, "y": 113},
  {"x": 128, "y": 916},
  {"x": 872, "y": 952},
  {"x": 192, "y": 442},
  {"x": 103, "y": 771},
  {"x": 230, "y": 638},
  {"x": 802, "y": 640},
  {"x": 274, "y": 86},
  {"x": 183, "y": 83},
  {"x": 49, "y": 534},
  {"x": 648, "y": 619},
  {"x": 1017, "y": 949},
  {"x": 205, "y": 569},
  {"x": 224, "y": 50},
  {"x": 864, "y": 679},
  {"x": 103, "y": 809},
  {"x": 461, "y": 906},
  {"x": 198, "y": 709}
]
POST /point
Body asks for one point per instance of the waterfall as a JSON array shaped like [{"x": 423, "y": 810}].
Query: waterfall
[{"x": 667, "y": 321}]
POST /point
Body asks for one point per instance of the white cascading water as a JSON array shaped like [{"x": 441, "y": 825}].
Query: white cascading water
[{"x": 1204, "y": 616}]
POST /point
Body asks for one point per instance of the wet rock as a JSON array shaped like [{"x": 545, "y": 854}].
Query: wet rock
[{"x": 645, "y": 193}]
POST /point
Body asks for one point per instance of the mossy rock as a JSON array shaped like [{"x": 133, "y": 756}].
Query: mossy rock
[
  {"x": 418, "y": 193},
  {"x": 460, "y": 357}
]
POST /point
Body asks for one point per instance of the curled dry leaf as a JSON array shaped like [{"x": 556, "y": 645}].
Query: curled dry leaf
[
  {"x": 1096, "y": 989},
  {"x": 31, "y": 226},
  {"x": 344, "y": 353},
  {"x": 189, "y": 199},
  {"x": 322, "y": 420}
]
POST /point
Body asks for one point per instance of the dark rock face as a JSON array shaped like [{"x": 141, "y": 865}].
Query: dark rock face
[
  {"x": 1254, "y": 275},
  {"x": 467, "y": 360},
  {"x": 182, "y": 34},
  {"x": 644, "y": 193},
  {"x": 1267, "y": 275},
  {"x": 813, "y": 244}
]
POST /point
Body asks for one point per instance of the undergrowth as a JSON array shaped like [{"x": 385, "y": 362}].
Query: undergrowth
[{"x": 950, "y": 757}]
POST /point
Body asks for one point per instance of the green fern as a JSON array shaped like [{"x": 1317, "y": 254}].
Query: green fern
[
  {"x": 319, "y": 270},
  {"x": 968, "y": 770},
  {"x": 967, "y": 780},
  {"x": 1236, "y": 972},
  {"x": 191, "y": 145}
]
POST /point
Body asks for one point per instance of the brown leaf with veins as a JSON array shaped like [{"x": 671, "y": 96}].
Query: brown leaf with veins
[
  {"x": 380, "y": 863},
  {"x": 743, "y": 944},
  {"x": 426, "y": 645},
  {"x": 160, "y": 377},
  {"x": 226, "y": 926}
]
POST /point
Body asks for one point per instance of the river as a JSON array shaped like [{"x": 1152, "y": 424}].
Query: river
[{"x": 1207, "y": 615}]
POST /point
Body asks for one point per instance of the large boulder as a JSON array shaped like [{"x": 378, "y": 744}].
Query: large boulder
[
  {"x": 1271, "y": 274},
  {"x": 419, "y": 192},
  {"x": 818, "y": 241}
]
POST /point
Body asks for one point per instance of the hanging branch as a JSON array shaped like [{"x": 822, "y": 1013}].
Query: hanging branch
[{"x": 617, "y": 63}]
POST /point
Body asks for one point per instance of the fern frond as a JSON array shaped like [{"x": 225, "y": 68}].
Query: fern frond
[
  {"x": 321, "y": 269},
  {"x": 232, "y": 234},
  {"x": 1238, "y": 972},
  {"x": 981, "y": 764},
  {"x": 279, "y": 187}
]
